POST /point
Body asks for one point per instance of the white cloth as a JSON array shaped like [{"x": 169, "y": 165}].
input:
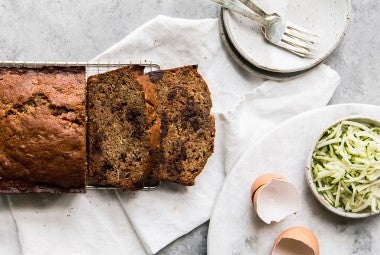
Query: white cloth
[
  {"x": 91, "y": 223},
  {"x": 272, "y": 103},
  {"x": 97, "y": 222}
]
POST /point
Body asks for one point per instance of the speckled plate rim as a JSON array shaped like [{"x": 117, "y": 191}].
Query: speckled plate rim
[
  {"x": 309, "y": 175},
  {"x": 265, "y": 74},
  {"x": 291, "y": 70}
]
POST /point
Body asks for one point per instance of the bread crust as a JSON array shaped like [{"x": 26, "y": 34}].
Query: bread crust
[
  {"x": 153, "y": 119},
  {"x": 42, "y": 129}
]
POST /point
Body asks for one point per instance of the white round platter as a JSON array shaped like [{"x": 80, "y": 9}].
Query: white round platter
[{"x": 234, "y": 226}]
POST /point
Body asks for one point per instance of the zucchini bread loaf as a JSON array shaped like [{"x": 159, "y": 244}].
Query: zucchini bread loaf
[
  {"x": 187, "y": 127},
  {"x": 156, "y": 125},
  {"x": 123, "y": 127},
  {"x": 42, "y": 129}
]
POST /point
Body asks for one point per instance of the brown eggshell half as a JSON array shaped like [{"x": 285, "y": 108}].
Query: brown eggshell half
[
  {"x": 296, "y": 241},
  {"x": 262, "y": 180},
  {"x": 255, "y": 196},
  {"x": 276, "y": 200}
]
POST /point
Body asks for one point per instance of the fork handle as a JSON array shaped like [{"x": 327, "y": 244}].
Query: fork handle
[
  {"x": 231, "y": 5},
  {"x": 254, "y": 7}
]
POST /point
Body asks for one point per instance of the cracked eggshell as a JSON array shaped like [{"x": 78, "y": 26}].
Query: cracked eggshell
[
  {"x": 274, "y": 198},
  {"x": 296, "y": 241},
  {"x": 264, "y": 179}
]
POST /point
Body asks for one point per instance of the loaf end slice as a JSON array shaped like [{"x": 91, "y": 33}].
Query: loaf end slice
[{"x": 42, "y": 129}]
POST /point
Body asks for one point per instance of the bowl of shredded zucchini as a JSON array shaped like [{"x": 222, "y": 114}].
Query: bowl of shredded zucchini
[{"x": 344, "y": 167}]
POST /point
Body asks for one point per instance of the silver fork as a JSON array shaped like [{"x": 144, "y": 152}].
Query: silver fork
[{"x": 276, "y": 29}]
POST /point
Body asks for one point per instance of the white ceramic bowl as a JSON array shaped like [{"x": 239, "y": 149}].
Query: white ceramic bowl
[
  {"x": 309, "y": 174},
  {"x": 327, "y": 18}
]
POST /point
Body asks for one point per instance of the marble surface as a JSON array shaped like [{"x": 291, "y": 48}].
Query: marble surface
[
  {"x": 68, "y": 30},
  {"x": 286, "y": 150}
]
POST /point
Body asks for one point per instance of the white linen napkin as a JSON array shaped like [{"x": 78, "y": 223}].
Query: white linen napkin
[
  {"x": 272, "y": 103},
  {"x": 97, "y": 222},
  {"x": 91, "y": 223},
  {"x": 163, "y": 215},
  {"x": 9, "y": 242}
]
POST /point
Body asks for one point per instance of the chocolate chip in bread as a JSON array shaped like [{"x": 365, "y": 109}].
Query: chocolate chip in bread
[
  {"x": 123, "y": 127},
  {"x": 187, "y": 127},
  {"x": 42, "y": 129}
]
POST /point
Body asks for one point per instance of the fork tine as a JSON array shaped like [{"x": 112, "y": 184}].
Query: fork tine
[
  {"x": 309, "y": 55},
  {"x": 300, "y": 29},
  {"x": 303, "y": 55},
  {"x": 299, "y": 43},
  {"x": 297, "y": 51},
  {"x": 299, "y": 36},
  {"x": 300, "y": 51},
  {"x": 292, "y": 47}
]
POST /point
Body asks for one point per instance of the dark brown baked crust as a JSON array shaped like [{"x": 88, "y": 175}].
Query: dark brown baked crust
[
  {"x": 187, "y": 127},
  {"x": 42, "y": 129},
  {"x": 123, "y": 127}
]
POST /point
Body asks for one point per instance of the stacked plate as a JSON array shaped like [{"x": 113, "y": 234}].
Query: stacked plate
[{"x": 246, "y": 44}]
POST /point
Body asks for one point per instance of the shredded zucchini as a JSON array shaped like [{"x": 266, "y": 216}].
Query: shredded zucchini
[{"x": 346, "y": 166}]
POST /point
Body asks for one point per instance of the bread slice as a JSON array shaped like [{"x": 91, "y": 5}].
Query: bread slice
[
  {"x": 187, "y": 127},
  {"x": 123, "y": 127}
]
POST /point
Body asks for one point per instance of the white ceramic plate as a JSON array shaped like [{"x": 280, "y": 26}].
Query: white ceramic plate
[
  {"x": 328, "y": 18},
  {"x": 235, "y": 228},
  {"x": 265, "y": 74}
]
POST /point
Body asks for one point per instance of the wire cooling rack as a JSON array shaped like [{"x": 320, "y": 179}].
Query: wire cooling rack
[{"x": 93, "y": 68}]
